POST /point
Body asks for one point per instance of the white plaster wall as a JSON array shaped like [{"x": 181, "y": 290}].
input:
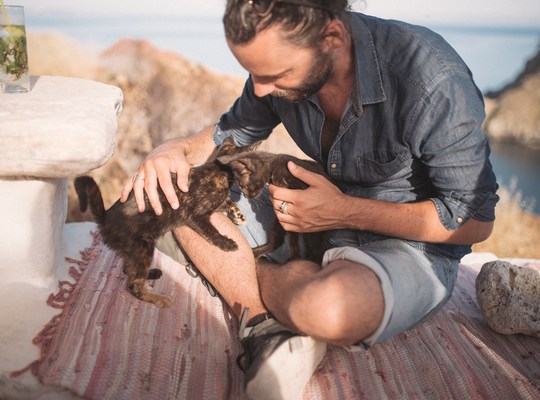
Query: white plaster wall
[{"x": 32, "y": 216}]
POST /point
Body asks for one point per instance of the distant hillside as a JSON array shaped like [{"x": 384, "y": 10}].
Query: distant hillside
[{"x": 513, "y": 112}]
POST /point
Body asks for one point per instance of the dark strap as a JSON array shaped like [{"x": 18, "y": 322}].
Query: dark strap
[{"x": 258, "y": 319}]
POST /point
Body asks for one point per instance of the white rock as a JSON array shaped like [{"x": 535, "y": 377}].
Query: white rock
[
  {"x": 62, "y": 127},
  {"x": 509, "y": 297}
]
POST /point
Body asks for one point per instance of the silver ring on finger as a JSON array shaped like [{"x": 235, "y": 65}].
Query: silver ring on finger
[
  {"x": 283, "y": 207},
  {"x": 137, "y": 178}
]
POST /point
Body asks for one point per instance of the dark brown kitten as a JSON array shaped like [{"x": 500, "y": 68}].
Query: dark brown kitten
[
  {"x": 133, "y": 234},
  {"x": 255, "y": 169}
]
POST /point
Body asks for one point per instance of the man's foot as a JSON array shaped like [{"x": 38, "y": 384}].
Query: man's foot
[{"x": 277, "y": 362}]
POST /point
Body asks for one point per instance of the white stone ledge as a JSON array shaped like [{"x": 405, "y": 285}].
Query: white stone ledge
[{"x": 62, "y": 127}]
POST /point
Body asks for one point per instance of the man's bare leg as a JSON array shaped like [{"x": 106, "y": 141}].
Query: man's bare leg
[
  {"x": 272, "y": 353},
  {"x": 340, "y": 304},
  {"x": 232, "y": 273}
]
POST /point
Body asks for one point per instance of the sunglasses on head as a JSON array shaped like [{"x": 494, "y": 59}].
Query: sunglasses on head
[{"x": 264, "y": 7}]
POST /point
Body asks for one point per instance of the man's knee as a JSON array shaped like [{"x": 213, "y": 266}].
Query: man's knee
[{"x": 344, "y": 304}]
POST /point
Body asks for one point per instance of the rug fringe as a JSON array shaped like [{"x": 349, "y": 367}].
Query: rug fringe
[{"x": 59, "y": 300}]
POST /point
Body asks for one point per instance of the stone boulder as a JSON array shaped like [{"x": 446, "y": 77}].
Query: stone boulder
[{"x": 509, "y": 298}]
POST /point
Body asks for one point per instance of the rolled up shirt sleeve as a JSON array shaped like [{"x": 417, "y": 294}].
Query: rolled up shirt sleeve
[
  {"x": 249, "y": 120},
  {"x": 456, "y": 151}
]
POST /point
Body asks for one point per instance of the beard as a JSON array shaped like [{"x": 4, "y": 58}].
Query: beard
[{"x": 320, "y": 71}]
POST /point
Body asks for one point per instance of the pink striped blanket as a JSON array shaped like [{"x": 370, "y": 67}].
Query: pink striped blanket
[{"x": 105, "y": 344}]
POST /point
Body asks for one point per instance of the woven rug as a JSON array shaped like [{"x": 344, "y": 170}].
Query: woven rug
[{"x": 105, "y": 344}]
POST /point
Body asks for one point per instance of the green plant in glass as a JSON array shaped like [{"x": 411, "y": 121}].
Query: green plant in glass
[{"x": 13, "y": 58}]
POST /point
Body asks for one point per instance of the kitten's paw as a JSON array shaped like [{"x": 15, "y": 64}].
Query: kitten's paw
[
  {"x": 228, "y": 245},
  {"x": 137, "y": 289},
  {"x": 154, "y": 274},
  {"x": 235, "y": 215},
  {"x": 162, "y": 301}
]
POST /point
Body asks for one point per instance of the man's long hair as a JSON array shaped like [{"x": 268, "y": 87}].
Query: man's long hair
[{"x": 303, "y": 24}]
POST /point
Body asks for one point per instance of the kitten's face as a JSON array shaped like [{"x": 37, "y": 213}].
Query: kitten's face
[{"x": 250, "y": 173}]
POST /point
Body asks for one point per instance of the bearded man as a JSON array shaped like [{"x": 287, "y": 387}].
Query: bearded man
[{"x": 392, "y": 113}]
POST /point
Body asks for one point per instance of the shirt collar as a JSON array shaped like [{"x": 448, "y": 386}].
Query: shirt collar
[
  {"x": 369, "y": 88},
  {"x": 368, "y": 82}
]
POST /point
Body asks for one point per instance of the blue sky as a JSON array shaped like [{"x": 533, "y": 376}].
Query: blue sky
[{"x": 429, "y": 12}]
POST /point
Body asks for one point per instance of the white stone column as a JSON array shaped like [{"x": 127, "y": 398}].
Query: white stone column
[
  {"x": 63, "y": 127},
  {"x": 33, "y": 214}
]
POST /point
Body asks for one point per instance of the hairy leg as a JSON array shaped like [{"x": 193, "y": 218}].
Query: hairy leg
[
  {"x": 232, "y": 273},
  {"x": 340, "y": 304}
]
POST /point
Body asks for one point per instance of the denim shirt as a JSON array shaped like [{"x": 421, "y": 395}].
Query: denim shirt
[{"x": 412, "y": 129}]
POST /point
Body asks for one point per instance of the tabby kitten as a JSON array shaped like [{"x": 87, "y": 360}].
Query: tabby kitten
[
  {"x": 133, "y": 234},
  {"x": 255, "y": 169}
]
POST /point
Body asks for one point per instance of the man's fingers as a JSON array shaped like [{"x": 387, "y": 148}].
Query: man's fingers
[
  {"x": 138, "y": 192},
  {"x": 168, "y": 189},
  {"x": 306, "y": 176},
  {"x": 144, "y": 185},
  {"x": 128, "y": 186},
  {"x": 182, "y": 183},
  {"x": 288, "y": 222},
  {"x": 150, "y": 187}
]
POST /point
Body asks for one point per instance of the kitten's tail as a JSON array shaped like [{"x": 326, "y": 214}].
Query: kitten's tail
[{"x": 89, "y": 193}]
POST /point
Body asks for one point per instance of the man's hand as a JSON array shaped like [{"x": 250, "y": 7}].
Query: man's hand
[
  {"x": 322, "y": 206},
  {"x": 175, "y": 156},
  {"x": 310, "y": 210},
  {"x": 156, "y": 169}
]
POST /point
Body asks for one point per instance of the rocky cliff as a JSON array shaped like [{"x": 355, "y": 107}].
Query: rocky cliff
[
  {"x": 165, "y": 96},
  {"x": 513, "y": 112}
]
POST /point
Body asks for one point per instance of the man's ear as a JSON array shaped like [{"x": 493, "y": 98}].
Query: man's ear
[{"x": 335, "y": 34}]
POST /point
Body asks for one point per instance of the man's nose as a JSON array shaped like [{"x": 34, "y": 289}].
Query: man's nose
[{"x": 262, "y": 90}]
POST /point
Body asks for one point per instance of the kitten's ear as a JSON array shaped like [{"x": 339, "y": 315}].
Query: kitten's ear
[
  {"x": 227, "y": 147},
  {"x": 244, "y": 149},
  {"x": 253, "y": 146},
  {"x": 225, "y": 160},
  {"x": 239, "y": 166},
  {"x": 241, "y": 171}
]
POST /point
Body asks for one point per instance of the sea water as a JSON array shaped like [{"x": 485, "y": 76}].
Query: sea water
[{"x": 495, "y": 55}]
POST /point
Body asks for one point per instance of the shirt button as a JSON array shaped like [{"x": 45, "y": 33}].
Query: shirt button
[
  {"x": 459, "y": 220},
  {"x": 333, "y": 166}
]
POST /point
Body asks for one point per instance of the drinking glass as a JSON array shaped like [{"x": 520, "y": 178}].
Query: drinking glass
[{"x": 13, "y": 53}]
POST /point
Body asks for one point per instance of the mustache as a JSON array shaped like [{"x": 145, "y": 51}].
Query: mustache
[{"x": 294, "y": 96}]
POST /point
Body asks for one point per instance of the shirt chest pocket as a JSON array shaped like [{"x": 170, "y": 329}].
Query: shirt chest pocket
[{"x": 380, "y": 167}]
